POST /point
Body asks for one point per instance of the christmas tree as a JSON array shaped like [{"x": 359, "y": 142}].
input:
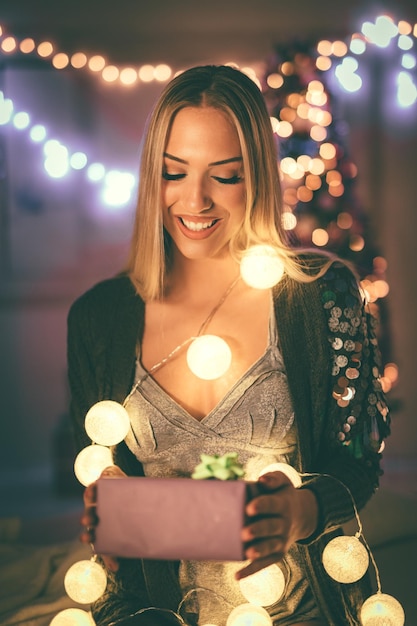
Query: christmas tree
[{"x": 321, "y": 206}]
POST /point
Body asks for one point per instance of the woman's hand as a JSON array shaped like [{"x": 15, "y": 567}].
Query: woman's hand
[
  {"x": 278, "y": 517},
  {"x": 90, "y": 520}
]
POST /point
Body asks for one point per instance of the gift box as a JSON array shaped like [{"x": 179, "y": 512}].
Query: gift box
[{"x": 171, "y": 518}]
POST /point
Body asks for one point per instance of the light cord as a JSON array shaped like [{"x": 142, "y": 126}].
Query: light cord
[
  {"x": 358, "y": 520},
  {"x": 194, "y": 589},
  {"x": 218, "y": 305}
]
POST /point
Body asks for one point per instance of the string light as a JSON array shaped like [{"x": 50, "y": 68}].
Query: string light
[
  {"x": 85, "y": 581},
  {"x": 345, "y": 559},
  {"x": 73, "y": 617},
  {"x": 117, "y": 186},
  {"x": 382, "y": 609},
  {"x": 261, "y": 267},
  {"x": 265, "y": 587},
  {"x": 107, "y": 423},
  {"x": 209, "y": 357},
  {"x": 90, "y": 463},
  {"x": 249, "y": 615},
  {"x": 286, "y": 469},
  {"x": 97, "y": 64}
]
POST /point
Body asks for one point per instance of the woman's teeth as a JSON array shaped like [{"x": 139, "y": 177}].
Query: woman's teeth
[{"x": 197, "y": 226}]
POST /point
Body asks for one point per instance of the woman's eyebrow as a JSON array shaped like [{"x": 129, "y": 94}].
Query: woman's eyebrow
[{"x": 175, "y": 158}]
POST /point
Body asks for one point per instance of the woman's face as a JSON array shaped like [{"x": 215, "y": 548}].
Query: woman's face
[{"x": 203, "y": 186}]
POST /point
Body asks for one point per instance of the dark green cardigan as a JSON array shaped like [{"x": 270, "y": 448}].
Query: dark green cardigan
[{"x": 104, "y": 328}]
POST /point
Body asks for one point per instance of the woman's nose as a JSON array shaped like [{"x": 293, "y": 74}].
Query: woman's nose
[{"x": 196, "y": 197}]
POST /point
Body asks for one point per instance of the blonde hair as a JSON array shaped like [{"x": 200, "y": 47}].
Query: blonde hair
[{"x": 235, "y": 94}]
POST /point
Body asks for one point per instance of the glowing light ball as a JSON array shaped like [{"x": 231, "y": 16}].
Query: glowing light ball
[
  {"x": 286, "y": 469},
  {"x": 107, "y": 423},
  {"x": 265, "y": 587},
  {"x": 248, "y": 615},
  {"x": 90, "y": 462},
  {"x": 209, "y": 357},
  {"x": 85, "y": 581},
  {"x": 382, "y": 610},
  {"x": 261, "y": 267},
  {"x": 72, "y": 617},
  {"x": 345, "y": 559}
]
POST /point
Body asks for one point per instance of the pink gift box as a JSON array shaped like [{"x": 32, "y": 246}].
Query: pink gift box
[{"x": 171, "y": 518}]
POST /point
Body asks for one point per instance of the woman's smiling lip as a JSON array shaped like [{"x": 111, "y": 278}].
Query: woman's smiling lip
[{"x": 197, "y": 228}]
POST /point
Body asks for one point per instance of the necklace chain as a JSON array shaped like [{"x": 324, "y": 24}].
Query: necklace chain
[
  {"x": 217, "y": 307},
  {"x": 173, "y": 352}
]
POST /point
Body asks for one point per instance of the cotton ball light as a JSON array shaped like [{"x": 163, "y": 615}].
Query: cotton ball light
[
  {"x": 85, "y": 581},
  {"x": 261, "y": 267},
  {"x": 107, "y": 423},
  {"x": 286, "y": 469},
  {"x": 345, "y": 559},
  {"x": 249, "y": 615},
  {"x": 264, "y": 587},
  {"x": 72, "y": 617},
  {"x": 90, "y": 462},
  {"x": 209, "y": 357},
  {"x": 382, "y": 610}
]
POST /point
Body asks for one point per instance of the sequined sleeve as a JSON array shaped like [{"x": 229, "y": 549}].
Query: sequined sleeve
[
  {"x": 350, "y": 415},
  {"x": 362, "y": 420}
]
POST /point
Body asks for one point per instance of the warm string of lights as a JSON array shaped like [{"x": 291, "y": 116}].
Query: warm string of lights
[
  {"x": 379, "y": 33},
  {"x": 345, "y": 558},
  {"x": 96, "y": 64}
]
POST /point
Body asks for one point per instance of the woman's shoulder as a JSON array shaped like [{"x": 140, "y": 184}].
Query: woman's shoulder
[
  {"x": 324, "y": 270},
  {"x": 105, "y": 295}
]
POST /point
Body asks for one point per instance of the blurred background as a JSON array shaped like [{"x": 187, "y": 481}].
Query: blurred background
[{"x": 77, "y": 81}]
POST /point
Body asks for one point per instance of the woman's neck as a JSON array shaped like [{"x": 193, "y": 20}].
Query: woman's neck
[{"x": 200, "y": 279}]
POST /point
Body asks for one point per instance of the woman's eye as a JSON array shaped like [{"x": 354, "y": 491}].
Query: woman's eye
[
  {"x": 233, "y": 180},
  {"x": 168, "y": 176}
]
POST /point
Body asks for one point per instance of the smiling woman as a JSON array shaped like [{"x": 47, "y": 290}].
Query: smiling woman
[
  {"x": 203, "y": 191},
  {"x": 300, "y": 386}
]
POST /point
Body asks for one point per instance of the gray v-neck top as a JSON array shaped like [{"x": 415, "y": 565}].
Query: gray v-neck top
[{"x": 256, "y": 420}]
